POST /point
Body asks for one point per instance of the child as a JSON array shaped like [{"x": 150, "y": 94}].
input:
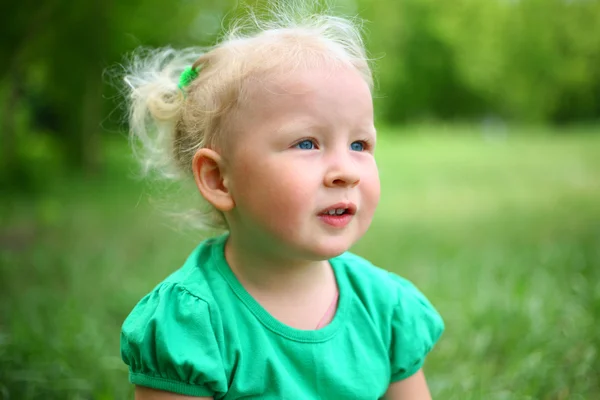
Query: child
[{"x": 276, "y": 130}]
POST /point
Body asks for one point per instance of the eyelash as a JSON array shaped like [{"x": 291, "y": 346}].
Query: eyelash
[
  {"x": 365, "y": 143},
  {"x": 313, "y": 141}
]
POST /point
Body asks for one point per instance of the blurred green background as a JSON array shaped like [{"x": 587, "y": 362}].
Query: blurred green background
[{"x": 489, "y": 151}]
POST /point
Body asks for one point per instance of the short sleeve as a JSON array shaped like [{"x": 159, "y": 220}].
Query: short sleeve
[
  {"x": 169, "y": 344},
  {"x": 416, "y": 327}
]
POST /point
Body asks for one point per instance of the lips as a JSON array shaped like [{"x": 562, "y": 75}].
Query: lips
[
  {"x": 339, "y": 209},
  {"x": 338, "y": 215}
]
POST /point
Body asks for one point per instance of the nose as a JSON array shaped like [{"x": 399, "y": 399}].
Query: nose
[{"x": 343, "y": 172}]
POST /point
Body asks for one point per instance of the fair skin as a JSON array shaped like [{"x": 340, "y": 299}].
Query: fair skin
[{"x": 301, "y": 145}]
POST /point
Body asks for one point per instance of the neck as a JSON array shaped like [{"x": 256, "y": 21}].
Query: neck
[{"x": 264, "y": 271}]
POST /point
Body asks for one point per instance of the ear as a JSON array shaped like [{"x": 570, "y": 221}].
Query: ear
[{"x": 209, "y": 172}]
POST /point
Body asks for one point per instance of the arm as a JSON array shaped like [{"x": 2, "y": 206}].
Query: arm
[
  {"x": 412, "y": 388},
  {"x": 144, "y": 393}
]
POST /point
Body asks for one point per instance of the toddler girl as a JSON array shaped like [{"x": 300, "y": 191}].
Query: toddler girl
[{"x": 275, "y": 127}]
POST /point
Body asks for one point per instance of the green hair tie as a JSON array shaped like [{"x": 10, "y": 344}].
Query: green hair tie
[{"x": 186, "y": 77}]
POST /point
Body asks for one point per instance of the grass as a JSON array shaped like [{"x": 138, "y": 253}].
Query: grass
[{"x": 501, "y": 231}]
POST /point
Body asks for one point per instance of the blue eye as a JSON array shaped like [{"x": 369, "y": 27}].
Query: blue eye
[
  {"x": 305, "y": 145},
  {"x": 357, "y": 146}
]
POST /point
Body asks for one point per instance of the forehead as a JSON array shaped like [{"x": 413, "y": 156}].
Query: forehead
[{"x": 326, "y": 96}]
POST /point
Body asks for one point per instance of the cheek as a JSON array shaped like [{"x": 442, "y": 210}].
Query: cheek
[
  {"x": 270, "y": 192},
  {"x": 372, "y": 186}
]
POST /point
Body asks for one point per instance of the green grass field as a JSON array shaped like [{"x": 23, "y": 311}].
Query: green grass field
[{"x": 502, "y": 233}]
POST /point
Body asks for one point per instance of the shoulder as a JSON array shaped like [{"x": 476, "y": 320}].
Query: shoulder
[
  {"x": 366, "y": 276},
  {"x": 369, "y": 279},
  {"x": 410, "y": 324},
  {"x": 193, "y": 281},
  {"x": 171, "y": 339},
  {"x": 357, "y": 267},
  {"x": 372, "y": 291},
  {"x": 165, "y": 301},
  {"x": 188, "y": 288},
  {"x": 170, "y": 343},
  {"x": 198, "y": 269}
]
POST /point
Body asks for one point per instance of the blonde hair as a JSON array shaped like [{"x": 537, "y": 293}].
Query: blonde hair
[{"x": 168, "y": 125}]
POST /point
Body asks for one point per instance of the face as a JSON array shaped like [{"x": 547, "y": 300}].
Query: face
[{"x": 302, "y": 150}]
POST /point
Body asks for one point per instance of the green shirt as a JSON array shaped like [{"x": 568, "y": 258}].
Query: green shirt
[{"x": 200, "y": 333}]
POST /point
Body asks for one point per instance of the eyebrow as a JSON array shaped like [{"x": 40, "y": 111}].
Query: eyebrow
[
  {"x": 296, "y": 125},
  {"x": 300, "y": 125},
  {"x": 371, "y": 130}
]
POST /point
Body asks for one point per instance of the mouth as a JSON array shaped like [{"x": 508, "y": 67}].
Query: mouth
[{"x": 339, "y": 209}]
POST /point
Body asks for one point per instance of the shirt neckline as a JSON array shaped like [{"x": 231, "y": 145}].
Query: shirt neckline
[{"x": 270, "y": 322}]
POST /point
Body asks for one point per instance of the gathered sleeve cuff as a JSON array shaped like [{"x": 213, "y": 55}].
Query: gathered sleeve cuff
[
  {"x": 416, "y": 327},
  {"x": 169, "y": 344}
]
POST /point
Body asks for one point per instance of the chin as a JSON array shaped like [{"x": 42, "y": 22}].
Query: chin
[{"x": 332, "y": 248}]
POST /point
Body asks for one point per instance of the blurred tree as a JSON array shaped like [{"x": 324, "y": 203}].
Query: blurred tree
[
  {"x": 22, "y": 30},
  {"x": 521, "y": 60},
  {"x": 52, "y": 81}
]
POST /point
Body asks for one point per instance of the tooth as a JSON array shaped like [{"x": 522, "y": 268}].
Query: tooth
[
  {"x": 339, "y": 211},
  {"x": 331, "y": 212}
]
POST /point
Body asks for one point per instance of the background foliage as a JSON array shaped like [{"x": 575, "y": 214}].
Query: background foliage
[{"x": 494, "y": 60}]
